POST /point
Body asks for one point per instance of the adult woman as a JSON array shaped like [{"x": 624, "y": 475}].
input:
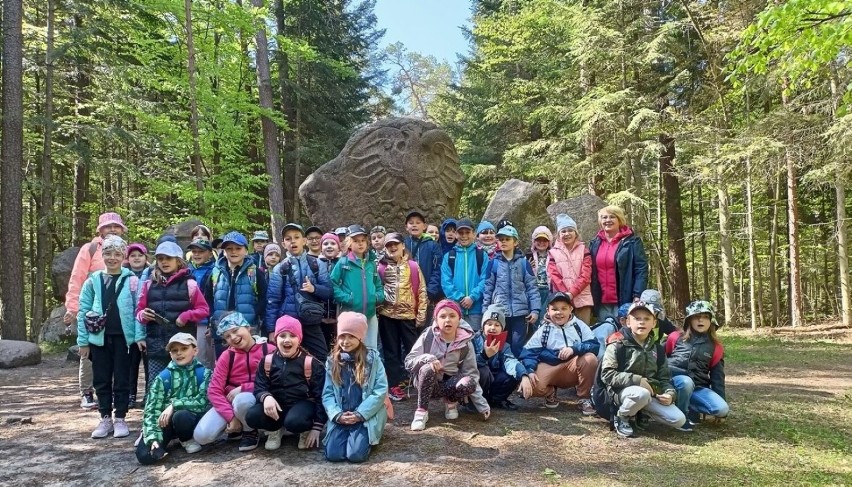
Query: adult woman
[
  {"x": 570, "y": 267},
  {"x": 619, "y": 265}
]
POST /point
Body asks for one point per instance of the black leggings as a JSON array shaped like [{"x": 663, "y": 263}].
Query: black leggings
[
  {"x": 297, "y": 418},
  {"x": 137, "y": 357}
]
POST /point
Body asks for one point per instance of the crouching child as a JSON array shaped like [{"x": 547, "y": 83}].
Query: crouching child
[{"x": 500, "y": 372}]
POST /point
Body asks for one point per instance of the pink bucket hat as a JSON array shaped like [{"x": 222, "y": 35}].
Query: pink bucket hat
[{"x": 109, "y": 219}]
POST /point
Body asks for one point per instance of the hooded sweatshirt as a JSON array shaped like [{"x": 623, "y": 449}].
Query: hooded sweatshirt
[
  {"x": 235, "y": 368},
  {"x": 442, "y": 236}
]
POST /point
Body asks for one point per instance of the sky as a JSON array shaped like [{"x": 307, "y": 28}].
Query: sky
[{"x": 426, "y": 26}]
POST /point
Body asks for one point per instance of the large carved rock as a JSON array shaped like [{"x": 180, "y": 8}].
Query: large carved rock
[
  {"x": 14, "y": 353},
  {"x": 53, "y": 330},
  {"x": 181, "y": 231},
  {"x": 584, "y": 210},
  {"x": 60, "y": 271},
  {"x": 522, "y": 203},
  {"x": 386, "y": 170}
]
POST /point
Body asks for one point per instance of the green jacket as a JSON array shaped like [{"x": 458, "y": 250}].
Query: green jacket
[
  {"x": 357, "y": 284},
  {"x": 647, "y": 360},
  {"x": 180, "y": 387}
]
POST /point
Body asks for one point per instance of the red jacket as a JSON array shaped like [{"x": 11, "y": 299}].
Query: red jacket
[
  {"x": 605, "y": 262},
  {"x": 235, "y": 368}
]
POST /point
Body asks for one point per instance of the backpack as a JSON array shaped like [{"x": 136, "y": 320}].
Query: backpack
[
  {"x": 93, "y": 249},
  {"x": 309, "y": 361},
  {"x": 718, "y": 351},
  {"x": 166, "y": 376},
  {"x": 208, "y": 284},
  {"x": 427, "y": 345},
  {"x": 414, "y": 269},
  {"x": 451, "y": 260},
  {"x": 232, "y": 355}
]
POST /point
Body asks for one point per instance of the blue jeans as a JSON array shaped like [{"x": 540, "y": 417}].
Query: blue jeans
[
  {"x": 348, "y": 443},
  {"x": 543, "y": 293},
  {"x": 475, "y": 321},
  {"x": 607, "y": 310},
  {"x": 517, "y": 328},
  {"x": 699, "y": 399}
]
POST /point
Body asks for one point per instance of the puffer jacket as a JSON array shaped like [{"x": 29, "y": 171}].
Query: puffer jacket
[
  {"x": 503, "y": 360},
  {"x": 178, "y": 298},
  {"x": 373, "y": 394},
  {"x": 281, "y": 296},
  {"x": 85, "y": 263},
  {"x": 235, "y": 368},
  {"x": 570, "y": 271},
  {"x": 91, "y": 300},
  {"x": 249, "y": 292},
  {"x": 512, "y": 285},
  {"x": 357, "y": 285},
  {"x": 693, "y": 358},
  {"x": 631, "y": 267},
  {"x": 544, "y": 345},
  {"x": 401, "y": 303},
  {"x": 427, "y": 252},
  {"x": 467, "y": 280},
  {"x": 204, "y": 277},
  {"x": 286, "y": 382},
  {"x": 184, "y": 394},
  {"x": 450, "y": 356},
  {"x": 647, "y": 360}
]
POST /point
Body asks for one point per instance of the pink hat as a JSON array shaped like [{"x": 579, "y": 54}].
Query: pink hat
[
  {"x": 446, "y": 303},
  {"x": 331, "y": 236},
  {"x": 288, "y": 323},
  {"x": 353, "y": 323},
  {"x": 109, "y": 219},
  {"x": 137, "y": 246},
  {"x": 271, "y": 248}
]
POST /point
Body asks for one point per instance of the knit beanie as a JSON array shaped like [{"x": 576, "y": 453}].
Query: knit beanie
[
  {"x": 447, "y": 303},
  {"x": 565, "y": 221},
  {"x": 495, "y": 312},
  {"x": 330, "y": 236},
  {"x": 353, "y": 323},
  {"x": 271, "y": 248},
  {"x": 288, "y": 323},
  {"x": 485, "y": 225}
]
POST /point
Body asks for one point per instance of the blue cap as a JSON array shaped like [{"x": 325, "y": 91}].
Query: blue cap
[
  {"x": 234, "y": 237},
  {"x": 622, "y": 310},
  {"x": 565, "y": 221},
  {"x": 169, "y": 249},
  {"x": 508, "y": 231}
]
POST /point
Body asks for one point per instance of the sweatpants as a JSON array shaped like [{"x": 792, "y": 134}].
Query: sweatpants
[
  {"x": 298, "y": 418},
  {"x": 398, "y": 336},
  {"x": 137, "y": 358},
  {"x": 698, "y": 399},
  {"x": 206, "y": 355},
  {"x": 517, "y": 328},
  {"x": 180, "y": 427},
  {"x": 313, "y": 340},
  {"x": 578, "y": 371},
  {"x": 212, "y": 424},
  {"x": 351, "y": 442},
  {"x": 85, "y": 376},
  {"x": 111, "y": 375},
  {"x": 607, "y": 311},
  {"x": 431, "y": 386},
  {"x": 634, "y": 399},
  {"x": 496, "y": 386}
]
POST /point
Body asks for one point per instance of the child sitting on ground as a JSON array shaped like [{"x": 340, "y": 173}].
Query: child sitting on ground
[
  {"x": 443, "y": 365},
  {"x": 176, "y": 402},
  {"x": 561, "y": 353},
  {"x": 500, "y": 372},
  {"x": 355, "y": 391}
]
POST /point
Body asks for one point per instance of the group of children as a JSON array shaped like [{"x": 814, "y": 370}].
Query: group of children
[{"x": 320, "y": 331}]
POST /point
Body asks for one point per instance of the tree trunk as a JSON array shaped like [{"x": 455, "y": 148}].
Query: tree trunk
[
  {"x": 727, "y": 254},
  {"x": 679, "y": 277},
  {"x": 705, "y": 267},
  {"x": 195, "y": 157},
  {"x": 270, "y": 131},
  {"x": 797, "y": 317},
  {"x": 81, "y": 232},
  {"x": 288, "y": 108},
  {"x": 753, "y": 270},
  {"x": 12, "y": 306},
  {"x": 840, "y": 195}
]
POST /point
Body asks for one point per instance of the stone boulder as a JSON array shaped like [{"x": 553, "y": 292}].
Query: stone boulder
[
  {"x": 14, "y": 353},
  {"x": 522, "y": 203},
  {"x": 182, "y": 231},
  {"x": 53, "y": 330},
  {"x": 584, "y": 210},
  {"x": 60, "y": 271},
  {"x": 386, "y": 170}
]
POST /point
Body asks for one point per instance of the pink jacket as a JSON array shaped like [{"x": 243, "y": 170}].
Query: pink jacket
[
  {"x": 84, "y": 264},
  {"x": 571, "y": 272},
  {"x": 227, "y": 378}
]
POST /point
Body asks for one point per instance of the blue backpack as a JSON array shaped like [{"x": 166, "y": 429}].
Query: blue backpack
[{"x": 166, "y": 376}]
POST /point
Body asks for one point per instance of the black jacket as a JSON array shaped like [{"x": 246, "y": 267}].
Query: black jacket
[{"x": 286, "y": 383}]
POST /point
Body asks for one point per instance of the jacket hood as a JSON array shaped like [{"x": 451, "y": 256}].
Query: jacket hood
[
  {"x": 517, "y": 255},
  {"x": 464, "y": 334},
  {"x": 623, "y": 232},
  {"x": 446, "y": 246},
  {"x": 539, "y": 230}
]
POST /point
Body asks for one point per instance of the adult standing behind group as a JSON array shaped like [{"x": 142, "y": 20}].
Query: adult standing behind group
[
  {"x": 89, "y": 259},
  {"x": 619, "y": 264}
]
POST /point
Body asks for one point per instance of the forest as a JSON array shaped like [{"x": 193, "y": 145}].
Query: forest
[{"x": 723, "y": 127}]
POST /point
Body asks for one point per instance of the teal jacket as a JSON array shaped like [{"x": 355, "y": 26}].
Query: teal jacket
[
  {"x": 373, "y": 395},
  {"x": 357, "y": 284},
  {"x": 91, "y": 300}
]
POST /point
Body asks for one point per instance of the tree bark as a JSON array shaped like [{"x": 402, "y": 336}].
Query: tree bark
[
  {"x": 727, "y": 254},
  {"x": 705, "y": 267},
  {"x": 195, "y": 157},
  {"x": 81, "y": 232},
  {"x": 840, "y": 196},
  {"x": 797, "y": 317},
  {"x": 753, "y": 269},
  {"x": 679, "y": 276},
  {"x": 288, "y": 108}
]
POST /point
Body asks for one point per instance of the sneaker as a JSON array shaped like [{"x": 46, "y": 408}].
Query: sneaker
[
  {"x": 238, "y": 436},
  {"x": 586, "y": 407},
  {"x": 138, "y": 440},
  {"x": 303, "y": 441},
  {"x": 104, "y": 428},
  {"x": 131, "y": 403},
  {"x": 551, "y": 401},
  {"x": 191, "y": 446},
  {"x": 452, "y": 411},
  {"x": 249, "y": 441},
  {"x": 507, "y": 404},
  {"x": 640, "y": 421},
  {"x": 420, "y": 419},
  {"x": 687, "y": 427},
  {"x": 120, "y": 429},
  {"x": 273, "y": 440},
  {"x": 88, "y": 401},
  {"x": 622, "y": 426},
  {"x": 396, "y": 394}
]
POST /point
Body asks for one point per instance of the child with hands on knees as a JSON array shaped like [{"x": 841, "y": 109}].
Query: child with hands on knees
[
  {"x": 354, "y": 395},
  {"x": 500, "y": 372},
  {"x": 442, "y": 364},
  {"x": 176, "y": 402},
  {"x": 288, "y": 387}
]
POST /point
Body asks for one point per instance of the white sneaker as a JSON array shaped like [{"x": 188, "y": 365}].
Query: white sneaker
[
  {"x": 303, "y": 441},
  {"x": 273, "y": 440},
  {"x": 420, "y": 419},
  {"x": 452, "y": 411},
  {"x": 104, "y": 428},
  {"x": 138, "y": 440},
  {"x": 120, "y": 428},
  {"x": 88, "y": 401},
  {"x": 191, "y": 446}
]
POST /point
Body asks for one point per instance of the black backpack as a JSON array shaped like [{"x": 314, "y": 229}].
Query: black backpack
[
  {"x": 601, "y": 395},
  {"x": 451, "y": 260}
]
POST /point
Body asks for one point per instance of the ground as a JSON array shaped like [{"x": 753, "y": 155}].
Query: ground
[{"x": 791, "y": 424}]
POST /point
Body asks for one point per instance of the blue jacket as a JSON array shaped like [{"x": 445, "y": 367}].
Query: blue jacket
[
  {"x": 90, "y": 300},
  {"x": 467, "y": 280},
  {"x": 373, "y": 394},
  {"x": 203, "y": 275},
  {"x": 427, "y": 253},
  {"x": 249, "y": 295},
  {"x": 512, "y": 285},
  {"x": 442, "y": 235},
  {"x": 631, "y": 269},
  {"x": 574, "y": 334},
  {"x": 503, "y": 359},
  {"x": 281, "y": 296}
]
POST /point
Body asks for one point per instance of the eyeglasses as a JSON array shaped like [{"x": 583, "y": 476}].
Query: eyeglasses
[{"x": 314, "y": 239}]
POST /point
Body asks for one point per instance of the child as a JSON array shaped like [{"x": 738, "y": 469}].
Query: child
[
  {"x": 170, "y": 302},
  {"x": 354, "y": 393},
  {"x": 258, "y": 243},
  {"x": 500, "y": 372},
  {"x": 288, "y": 387},
  {"x": 105, "y": 330},
  {"x": 463, "y": 274},
  {"x": 403, "y": 311},
  {"x": 203, "y": 267},
  {"x": 176, "y": 402},
  {"x": 137, "y": 258},
  {"x": 447, "y": 235},
  {"x": 330, "y": 256},
  {"x": 377, "y": 240},
  {"x": 665, "y": 327},
  {"x": 443, "y": 365},
  {"x": 434, "y": 232},
  {"x": 200, "y": 232},
  {"x": 231, "y": 390},
  {"x": 697, "y": 362},
  {"x": 137, "y": 262},
  {"x": 486, "y": 236},
  {"x": 570, "y": 267},
  {"x": 512, "y": 285},
  {"x": 538, "y": 259},
  {"x": 427, "y": 252},
  {"x": 313, "y": 237},
  {"x": 561, "y": 353},
  {"x": 636, "y": 375},
  {"x": 606, "y": 331},
  {"x": 271, "y": 258},
  {"x": 357, "y": 285}
]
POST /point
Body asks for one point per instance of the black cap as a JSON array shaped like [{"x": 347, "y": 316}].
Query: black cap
[
  {"x": 558, "y": 297},
  {"x": 292, "y": 226},
  {"x": 314, "y": 229},
  {"x": 414, "y": 213},
  {"x": 465, "y": 223},
  {"x": 354, "y": 230},
  {"x": 504, "y": 223}
]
